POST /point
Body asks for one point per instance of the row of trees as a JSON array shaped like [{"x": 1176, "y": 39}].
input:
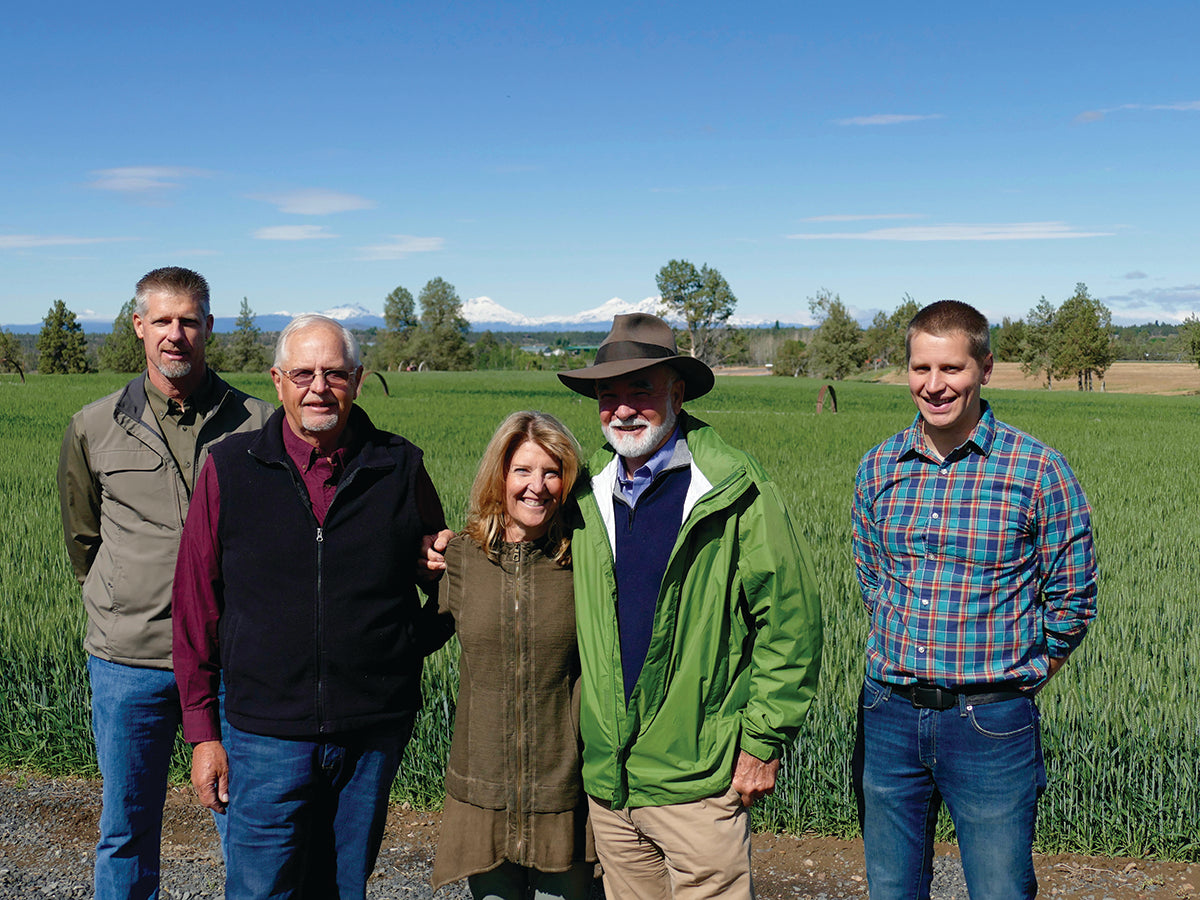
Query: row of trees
[
  {"x": 1072, "y": 341},
  {"x": 838, "y": 346},
  {"x": 62, "y": 348},
  {"x": 437, "y": 339},
  {"x": 1075, "y": 341}
]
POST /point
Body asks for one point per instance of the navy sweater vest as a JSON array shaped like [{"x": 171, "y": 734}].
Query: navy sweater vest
[{"x": 645, "y": 537}]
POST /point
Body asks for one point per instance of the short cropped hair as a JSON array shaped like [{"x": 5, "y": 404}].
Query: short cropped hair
[
  {"x": 307, "y": 320},
  {"x": 171, "y": 280},
  {"x": 946, "y": 317},
  {"x": 486, "y": 517}
]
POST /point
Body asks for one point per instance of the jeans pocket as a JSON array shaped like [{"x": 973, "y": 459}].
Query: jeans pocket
[
  {"x": 1005, "y": 719},
  {"x": 873, "y": 694}
]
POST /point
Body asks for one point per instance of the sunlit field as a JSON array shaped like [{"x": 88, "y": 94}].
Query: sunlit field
[{"x": 1121, "y": 722}]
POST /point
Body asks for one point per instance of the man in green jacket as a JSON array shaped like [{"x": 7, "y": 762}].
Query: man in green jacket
[{"x": 699, "y": 627}]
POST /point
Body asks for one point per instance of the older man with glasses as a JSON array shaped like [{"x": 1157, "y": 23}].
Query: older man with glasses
[{"x": 297, "y": 582}]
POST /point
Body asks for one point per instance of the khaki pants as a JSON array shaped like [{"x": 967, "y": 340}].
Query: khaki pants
[{"x": 685, "y": 851}]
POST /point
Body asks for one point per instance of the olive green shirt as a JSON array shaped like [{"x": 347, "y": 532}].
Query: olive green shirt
[{"x": 180, "y": 421}]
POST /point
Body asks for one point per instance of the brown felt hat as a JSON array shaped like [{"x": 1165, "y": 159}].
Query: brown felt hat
[{"x": 639, "y": 341}]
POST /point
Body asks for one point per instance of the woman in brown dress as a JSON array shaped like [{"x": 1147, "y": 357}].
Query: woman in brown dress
[{"x": 515, "y": 820}]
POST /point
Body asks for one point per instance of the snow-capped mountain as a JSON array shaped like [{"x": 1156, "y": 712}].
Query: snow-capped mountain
[{"x": 484, "y": 314}]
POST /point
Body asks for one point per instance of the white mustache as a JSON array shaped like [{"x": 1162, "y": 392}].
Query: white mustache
[{"x": 635, "y": 422}]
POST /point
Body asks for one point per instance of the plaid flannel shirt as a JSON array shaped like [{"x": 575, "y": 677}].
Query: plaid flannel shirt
[{"x": 975, "y": 569}]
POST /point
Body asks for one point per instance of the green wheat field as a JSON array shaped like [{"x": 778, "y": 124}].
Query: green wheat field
[{"x": 1121, "y": 722}]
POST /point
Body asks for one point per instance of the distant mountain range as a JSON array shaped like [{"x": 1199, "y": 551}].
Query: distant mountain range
[{"x": 483, "y": 313}]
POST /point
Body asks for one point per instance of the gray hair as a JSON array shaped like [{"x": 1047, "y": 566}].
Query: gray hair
[
  {"x": 171, "y": 280},
  {"x": 309, "y": 320}
]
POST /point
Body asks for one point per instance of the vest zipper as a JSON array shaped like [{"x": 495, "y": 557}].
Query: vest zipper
[{"x": 320, "y": 629}]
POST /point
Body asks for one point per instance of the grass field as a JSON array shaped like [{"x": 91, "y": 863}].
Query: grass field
[{"x": 1122, "y": 722}]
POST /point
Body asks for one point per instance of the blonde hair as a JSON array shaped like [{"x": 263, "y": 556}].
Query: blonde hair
[{"x": 486, "y": 518}]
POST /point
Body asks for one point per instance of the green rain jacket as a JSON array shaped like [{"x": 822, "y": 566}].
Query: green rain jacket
[{"x": 736, "y": 644}]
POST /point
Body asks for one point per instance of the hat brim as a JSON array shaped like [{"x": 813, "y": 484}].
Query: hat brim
[{"x": 697, "y": 377}]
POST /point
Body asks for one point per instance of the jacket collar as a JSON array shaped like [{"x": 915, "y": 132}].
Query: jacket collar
[{"x": 133, "y": 400}]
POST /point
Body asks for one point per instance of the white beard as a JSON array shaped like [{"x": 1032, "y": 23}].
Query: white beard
[
  {"x": 630, "y": 446},
  {"x": 318, "y": 422}
]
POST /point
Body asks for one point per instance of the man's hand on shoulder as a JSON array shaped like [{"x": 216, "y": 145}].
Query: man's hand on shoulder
[
  {"x": 430, "y": 561},
  {"x": 210, "y": 775},
  {"x": 754, "y": 779}
]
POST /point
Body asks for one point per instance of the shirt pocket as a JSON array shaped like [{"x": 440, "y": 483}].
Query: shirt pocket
[
  {"x": 126, "y": 480},
  {"x": 992, "y": 532}
]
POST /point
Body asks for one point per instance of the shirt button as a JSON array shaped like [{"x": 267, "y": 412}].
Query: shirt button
[
  {"x": 920, "y": 649},
  {"x": 186, "y": 464},
  {"x": 935, "y": 515},
  {"x": 944, "y": 471},
  {"x": 924, "y": 602}
]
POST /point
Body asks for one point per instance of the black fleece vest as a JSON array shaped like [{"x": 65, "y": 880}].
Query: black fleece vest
[{"x": 317, "y": 630}]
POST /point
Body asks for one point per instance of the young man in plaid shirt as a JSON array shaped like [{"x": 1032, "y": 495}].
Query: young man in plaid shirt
[{"x": 973, "y": 545}]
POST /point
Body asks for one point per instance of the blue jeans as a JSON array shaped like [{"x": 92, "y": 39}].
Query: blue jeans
[
  {"x": 135, "y": 715},
  {"x": 508, "y": 881},
  {"x": 306, "y": 818},
  {"x": 984, "y": 761}
]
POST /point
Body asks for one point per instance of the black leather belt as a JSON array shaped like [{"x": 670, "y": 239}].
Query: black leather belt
[{"x": 930, "y": 696}]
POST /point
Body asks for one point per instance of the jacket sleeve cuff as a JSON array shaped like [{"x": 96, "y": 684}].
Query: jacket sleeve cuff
[{"x": 759, "y": 749}]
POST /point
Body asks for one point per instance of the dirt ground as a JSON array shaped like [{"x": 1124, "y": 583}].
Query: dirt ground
[
  {"x": 66, "y": 812},
  {"x": 1122, "y": 378}
]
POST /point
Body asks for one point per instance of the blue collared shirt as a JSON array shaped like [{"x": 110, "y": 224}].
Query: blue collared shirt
[{"x": 674, "y": 454}]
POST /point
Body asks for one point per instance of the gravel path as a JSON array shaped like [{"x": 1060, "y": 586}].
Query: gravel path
[{"x": 48, "y": 834}]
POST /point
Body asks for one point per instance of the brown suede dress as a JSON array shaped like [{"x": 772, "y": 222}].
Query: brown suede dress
[{"x": 513, "y": 779}]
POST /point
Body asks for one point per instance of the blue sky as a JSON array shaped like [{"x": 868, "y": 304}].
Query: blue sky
[{"x": 552, "y": 156}]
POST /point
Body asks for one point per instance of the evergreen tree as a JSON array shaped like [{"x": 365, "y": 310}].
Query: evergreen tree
[
  {"x": 122, "y": 350},
  {"x": 1083, "y": 343},
  {"x": 1190, "y": 333},
  {"x": 399, "y": 323},
  {"x": 12, "y": 357},
  {"x": 876, "y": 340},
  {"x": 1008, "y": 340},
  {"x": 244, "y": 351},
  {"x": 897, "y": 352},
  {"x": 836, "y": 349},
  {"x": 440, "y": 341},
  {"x": 792, "y": 359},
  {"x": 1037, "y": 351},
  {"x": 214, "y": 353},
  {"x": 62, "y": 348}
]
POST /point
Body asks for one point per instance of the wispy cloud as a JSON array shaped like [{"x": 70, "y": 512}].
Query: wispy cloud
[
  {"x": 1177, "y": 301},
  {"x": 694, "y": 189},
  {"x": 315, "y": 202},
  {"x": 887, "y": 119},
  {"x": 1011, "y": 231},
  {"x": 143, "y": 180},
  {"x": 31, "y": 241},
  {"x": 852, "y": 217},
  {"x": 293, "y": 233},
  {"x": 1095, "y": 115},
  {"x": 1135, "y": 275},
  {"x": 401, "y": 245}
]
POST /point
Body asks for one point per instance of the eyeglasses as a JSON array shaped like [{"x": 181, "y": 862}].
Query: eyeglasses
[{"x": 335, "y": 378}]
